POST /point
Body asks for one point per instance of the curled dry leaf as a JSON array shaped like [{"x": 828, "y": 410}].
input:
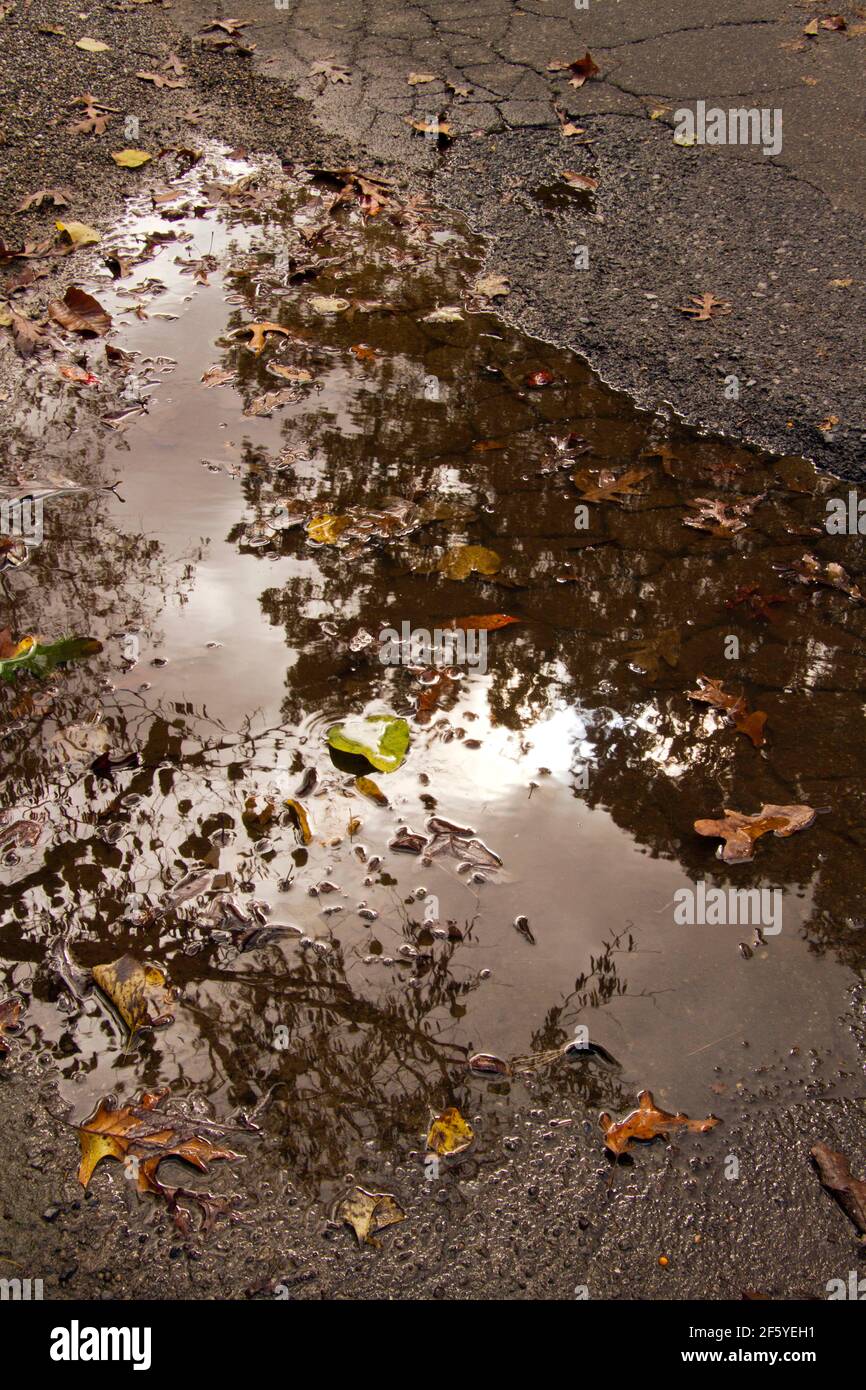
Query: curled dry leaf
[
  {"x": 580, "y": 68},
  {"x": 80, "y": 313},
  {"x": 835, "y": 1173},
  {"x": 160, "y": 80},
  {"x": 831, "y": 575},
  {"x": 749, "y": 723},
  {"x": 441, "y": 129},
  {"x": 368, "y": 1213},
  {"x": 582, "y": 181},
  {"x": 139, "y": 992},
  {"x": 740, "y": 832},
  {"x": 721, "y": 518},
  {"x": 78, "y": 375},
  {"x": 449, "y": 1133},
  {"x": 58, "y": 196},
  {"x": 647, "y": 1122}
]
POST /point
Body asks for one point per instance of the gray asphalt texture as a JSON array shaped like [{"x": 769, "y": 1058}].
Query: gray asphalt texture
[{"x": 549, "y": 1216}]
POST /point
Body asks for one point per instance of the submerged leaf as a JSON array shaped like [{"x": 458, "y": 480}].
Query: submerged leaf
[
  {"x": 462, "y": 560},
  {"x": 449, "y": 1133},
  {"x": 750, "y": 723}
]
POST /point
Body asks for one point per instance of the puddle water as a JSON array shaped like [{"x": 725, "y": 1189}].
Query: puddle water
[{"x": 233, "y": 640}]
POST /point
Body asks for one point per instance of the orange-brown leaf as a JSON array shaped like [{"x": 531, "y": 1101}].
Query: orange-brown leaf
[
  {"x": 740, "y": 832},
  {"x": 647, "y": 1122}
]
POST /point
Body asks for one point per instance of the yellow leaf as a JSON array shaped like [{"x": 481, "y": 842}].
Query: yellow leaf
[
  {"x": 449, "y": 1133},
  {"x": 367, "y": 787},
  {"x": 368, "y": 1212},
  {"x": 326, "y": 529},
  {"x": 131, "y": 159},
  {"x": 463, "y": 560},
  {"x": 301, "y": 820},
  {"x": 138, "y": 992},
  {"x": 92, "y": 45},
  {"x": 79, "y": 233}
]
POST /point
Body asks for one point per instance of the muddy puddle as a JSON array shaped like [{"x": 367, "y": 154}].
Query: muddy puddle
[{"x": 238, "y": 529}]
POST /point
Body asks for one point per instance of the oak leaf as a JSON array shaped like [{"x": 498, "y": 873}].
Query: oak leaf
[
  {"x": 647, "y": 1122},
  {"x": 607, "y": 487},
  {"x": 740, "y": 832},
  {"x": 705, "y": 306},
  {"x": 750, "y": 723}
]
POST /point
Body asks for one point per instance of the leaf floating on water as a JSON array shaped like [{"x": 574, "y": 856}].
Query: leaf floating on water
[
  {"x": 368, "y": 1213},
  {"x": 462, "y": 560},
  {"x": 41, "y": 659},
  {"x": 302, "y": 824},
  {"x": 721, "y": 518},
  {"x": 607, "y": 487},
  {"x": 217, "y": 376},
  {"x": 447, "y": 314},
  {"x": 386, "y": 752},
  {"x": 749, "y": 723},
  {"x": 483, "y": 622},
  {"x": 79, "y": 312},
  {"x": 809, "y": 570},
  {"x": 835, "y": 1173},
  {"x": 740, "y": 832},
  {"x": 449, "y": 1133},
  {"x": 327, "y": 529},
  {"x": 487, "y": 1064},
  {"x": 367, "y": 787},
  {"x": 327, "y": 304},
  {"x": 10, "y": 1011},
  {"x": 258, "y": 334},
  {"x": 138, "y": 992},
  {"x": 647, "y": 1122}
]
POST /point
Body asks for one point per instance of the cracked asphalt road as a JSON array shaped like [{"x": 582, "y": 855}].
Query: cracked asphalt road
[{"x": 779, "y": 238}]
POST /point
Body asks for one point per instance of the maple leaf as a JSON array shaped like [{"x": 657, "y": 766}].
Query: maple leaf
[
  {"x": 647, "y": 1122},
  {"x": 10, "y": 1010},
  {"x": 758, "y": 604},
  {"x": 740, "y": 832},
  {"x": 749, "y": 723},
  {"x": 607, "y": 487},
  {"x": 705, "y": 306}
]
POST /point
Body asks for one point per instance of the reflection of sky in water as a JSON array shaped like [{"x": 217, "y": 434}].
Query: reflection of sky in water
[{"x": 588, "y": 775}]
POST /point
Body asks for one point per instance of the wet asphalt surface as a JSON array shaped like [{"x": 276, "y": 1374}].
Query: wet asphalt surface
[{"x": 547, "y": 1217}]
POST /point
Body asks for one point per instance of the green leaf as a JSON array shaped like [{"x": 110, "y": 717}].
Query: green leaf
[
  {"x": 384, "y": 749},
  {"x": 40, "y": 659}
]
